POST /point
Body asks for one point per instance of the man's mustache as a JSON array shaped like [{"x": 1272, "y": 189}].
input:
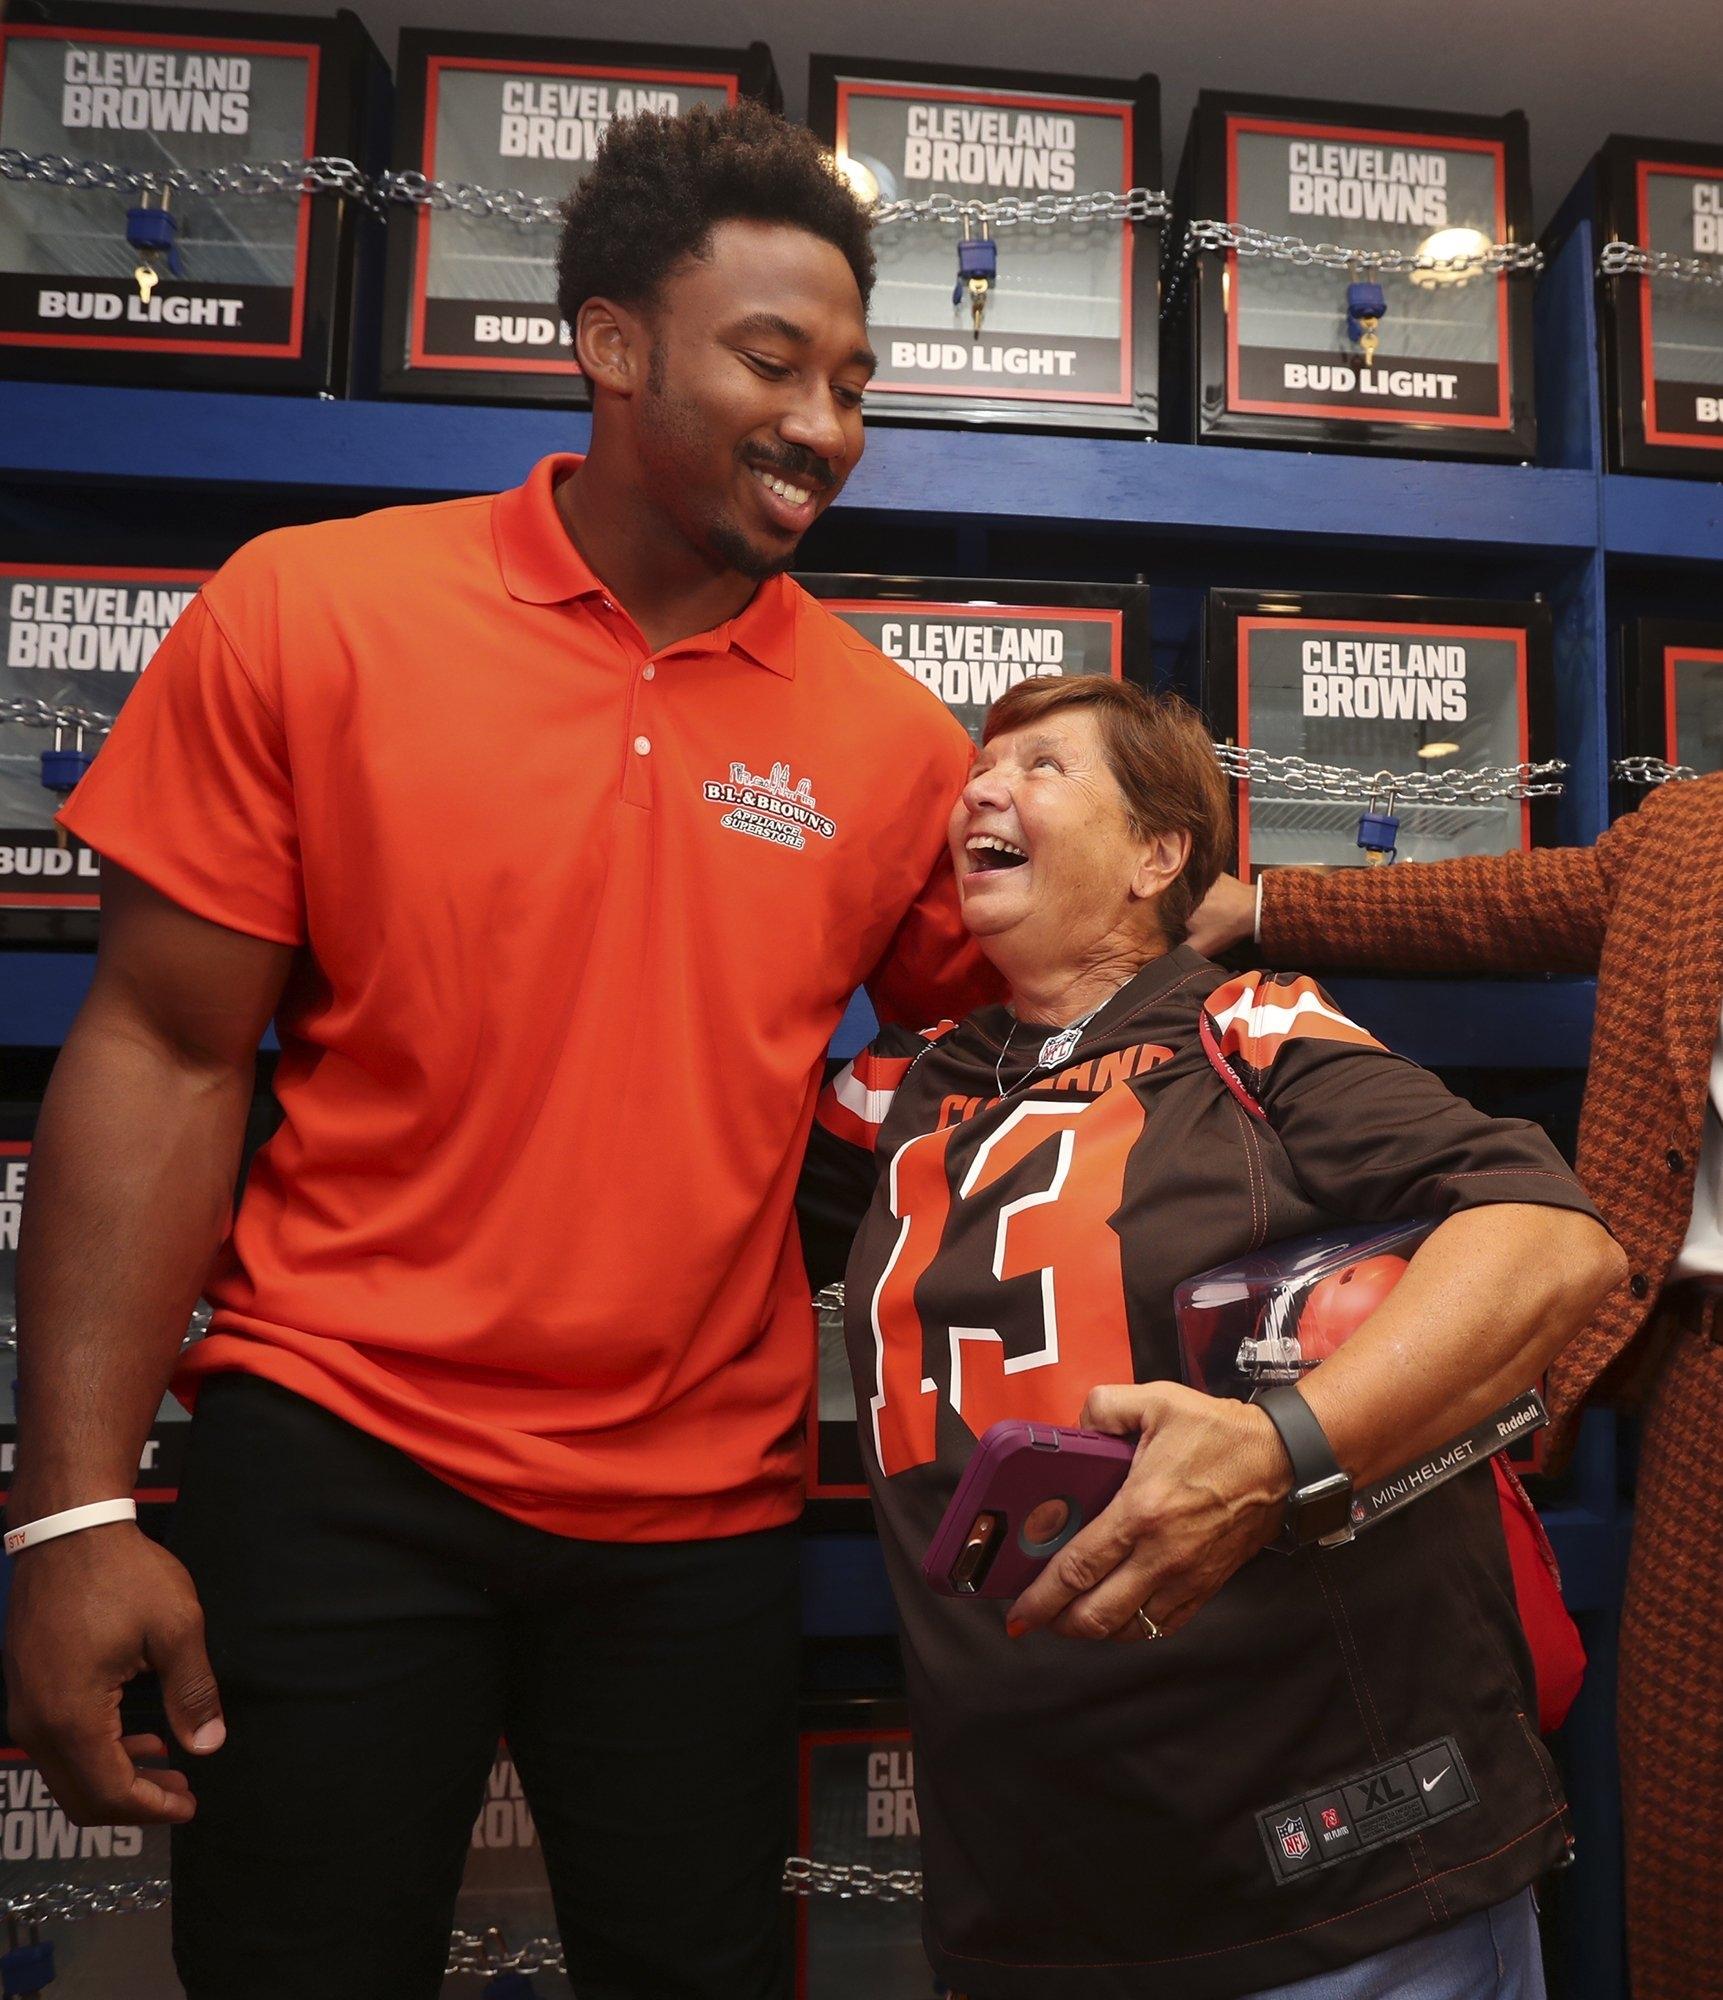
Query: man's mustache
[{"x": 801, "y": 468}]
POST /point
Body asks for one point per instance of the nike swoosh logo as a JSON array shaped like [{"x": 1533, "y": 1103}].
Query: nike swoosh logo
[{"x": 1430, "y": 1784}]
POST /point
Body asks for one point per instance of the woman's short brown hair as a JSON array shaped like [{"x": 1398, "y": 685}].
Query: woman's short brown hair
[{"x": 1159, "y": 750}]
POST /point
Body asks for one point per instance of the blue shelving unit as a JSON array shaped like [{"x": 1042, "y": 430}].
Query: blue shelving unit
[
  {"x": 397, "y": 451},
  {"x": 116, "y": 461}
]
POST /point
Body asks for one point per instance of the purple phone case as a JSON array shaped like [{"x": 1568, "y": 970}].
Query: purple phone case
[{"x": 1017, "y": 1466}]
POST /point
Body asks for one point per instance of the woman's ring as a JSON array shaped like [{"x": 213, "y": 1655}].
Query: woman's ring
[{"x": 1150, "y": 1629}]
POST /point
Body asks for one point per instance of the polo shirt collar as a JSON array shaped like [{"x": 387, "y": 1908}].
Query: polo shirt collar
[{"x": 541, "y": 565}]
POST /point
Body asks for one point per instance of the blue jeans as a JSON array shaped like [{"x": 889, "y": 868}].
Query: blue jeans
[{"x": 1490, "y": 1955}]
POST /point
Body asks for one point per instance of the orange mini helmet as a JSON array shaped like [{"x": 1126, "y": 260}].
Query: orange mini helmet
[{"x": 1339, "y": 1304}]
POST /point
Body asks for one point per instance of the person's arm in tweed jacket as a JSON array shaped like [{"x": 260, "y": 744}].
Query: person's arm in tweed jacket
[{"x": 1545, "y": 911}]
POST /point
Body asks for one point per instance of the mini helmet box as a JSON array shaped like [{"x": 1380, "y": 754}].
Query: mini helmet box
[
  {"x": 1416, "y": 343},
  {"x": 1428, "y": 709},
  {"x": 1672, "y": 693},
  {"x": 1660, "y": 240},
  {"x": 856, "y": 1808},
  {"x": 73, "y": 640},
  {"x": 1271, "y": 1317},
  {"x": 971, "y": 639},
  {"x": 181, "y": 284},
  {"x": 510, "y": 124},
  {"x": 1047, "y": 320}
]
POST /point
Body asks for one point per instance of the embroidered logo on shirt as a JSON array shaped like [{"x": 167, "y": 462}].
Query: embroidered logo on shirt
[
  {"x": 770, "y": 808},
  {"x": 1294, "y": 1841},
  {"x": 1391, "y": 1802}
]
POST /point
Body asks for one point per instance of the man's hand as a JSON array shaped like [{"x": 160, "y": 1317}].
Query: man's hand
[
  {"x": 87, "y": 1613},
  {"x": 1226, "y": 916},
  {"x": 1207, "y": 1489}
]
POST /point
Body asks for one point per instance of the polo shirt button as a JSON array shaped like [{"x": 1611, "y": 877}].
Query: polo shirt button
[
  {"x": 648, "y": 672},
  {"x": 1639, "y": 1284},
  {"x": 643, "y": 744}
]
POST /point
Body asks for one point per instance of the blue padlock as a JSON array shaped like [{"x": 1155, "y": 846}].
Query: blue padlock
[
  {"x": 977, "y": 257},
  {"x": 154, "y": 231},
  {"x": 1379, "y": 836},
  {"x": 61, "y": 769},
  {"x": 1364, "y": 301},
  {"x": 977, "y": 267},
  {"x": 26, "y": 1968}
]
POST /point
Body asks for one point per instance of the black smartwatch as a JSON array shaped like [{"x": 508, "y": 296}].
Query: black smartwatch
[{"x": 1319, "y": 1507}]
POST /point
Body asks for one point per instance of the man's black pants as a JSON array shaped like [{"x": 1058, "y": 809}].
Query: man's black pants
[{"x": 374, "y": 1632}]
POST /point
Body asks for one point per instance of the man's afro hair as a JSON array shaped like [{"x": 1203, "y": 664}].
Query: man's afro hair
[{"x": 660, "y": 184}]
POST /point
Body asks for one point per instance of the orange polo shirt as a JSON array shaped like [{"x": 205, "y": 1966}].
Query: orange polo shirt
[{"x": 580, "y": 921}]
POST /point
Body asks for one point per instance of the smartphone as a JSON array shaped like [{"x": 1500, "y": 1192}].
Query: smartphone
[{"x": 985, "y": 1546}]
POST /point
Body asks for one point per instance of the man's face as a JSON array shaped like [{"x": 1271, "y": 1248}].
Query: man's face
[{"x": 750, "y": 421}]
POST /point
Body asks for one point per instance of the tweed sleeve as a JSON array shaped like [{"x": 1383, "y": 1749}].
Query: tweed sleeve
[{"x": 1539, "y": 912}]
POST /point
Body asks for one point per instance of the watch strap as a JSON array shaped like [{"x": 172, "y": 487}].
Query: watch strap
[{"x": 1313, "y": 1466}]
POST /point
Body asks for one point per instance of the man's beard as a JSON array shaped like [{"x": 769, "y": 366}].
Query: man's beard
[
  {"x": 735, "y": 551},
  {"x": 674, "y": 427}
]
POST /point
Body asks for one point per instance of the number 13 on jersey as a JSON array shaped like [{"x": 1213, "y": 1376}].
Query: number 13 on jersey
[{"x": 1068, "y": 1335}]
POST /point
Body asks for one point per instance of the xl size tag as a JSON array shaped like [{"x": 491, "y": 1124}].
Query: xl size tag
[{"x": 1390, "y": 1802}]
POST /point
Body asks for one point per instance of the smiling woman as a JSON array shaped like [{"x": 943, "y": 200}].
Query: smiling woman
[
  {"x": 1094, "y": 821},
  {"x": 1235, "y": 1799}
]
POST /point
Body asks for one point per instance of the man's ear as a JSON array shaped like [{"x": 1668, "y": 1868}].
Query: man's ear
[
  {"x": 1163, "y": 855},
  {"x": 610, "y": 343}
]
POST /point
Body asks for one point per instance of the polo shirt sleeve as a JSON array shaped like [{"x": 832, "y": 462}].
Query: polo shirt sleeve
[
  {"x": 192, "y": 791},
  {"x": 1371, "y": 1136},
  {"x": 933, "y": 970}
]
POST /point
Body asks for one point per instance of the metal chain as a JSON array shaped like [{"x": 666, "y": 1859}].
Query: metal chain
[
  {"x": 200, "y": 1319},
  {"x": 1421, "y": 788},
  {"x": 488, "y": 1951},
  {"x": 483, "y": 1953},
  {"x": 416, "y": 190},
  {"x": 35, "y": 713},
  {"x": 1619, "y": 260},
  {"x": 330, "y": 174},
  {"x": 72, "y": 1902},
  {"x": 1512, "y": 258},
  {"x": 850, "y": 1879},
  {"x": 1510, "y": 781},
  {"x": 323, "y": 173},
  {"x": 1649, "y": 771},
  {"x": 477, "y": 1952},
  {"x": 1006, "y": 211}
]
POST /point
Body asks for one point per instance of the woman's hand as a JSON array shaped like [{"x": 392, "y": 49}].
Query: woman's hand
[
  {"x": 1207, "y": 1489},
  {"x": 1226, "y": 916}
]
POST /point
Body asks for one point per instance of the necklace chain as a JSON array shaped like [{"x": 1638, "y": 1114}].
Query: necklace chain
[{"x": 1057, "y": 1049}]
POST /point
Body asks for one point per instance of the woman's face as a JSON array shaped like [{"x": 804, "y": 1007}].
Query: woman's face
[{"x": 1047, "y": 865}]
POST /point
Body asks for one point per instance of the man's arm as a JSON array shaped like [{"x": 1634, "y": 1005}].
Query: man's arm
[
  {"x": 933, "y": 969},
  {"x": 1542, "y": 911},
  {"x": 131, "y": 1186}
]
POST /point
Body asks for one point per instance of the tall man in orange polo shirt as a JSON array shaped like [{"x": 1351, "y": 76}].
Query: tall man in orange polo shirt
[{"x": 554, "y": 829}]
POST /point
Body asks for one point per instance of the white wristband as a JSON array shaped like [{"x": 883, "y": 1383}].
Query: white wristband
[
  {"x": 1256, "y": 925},
  {"x": 51, "y": 1526}
]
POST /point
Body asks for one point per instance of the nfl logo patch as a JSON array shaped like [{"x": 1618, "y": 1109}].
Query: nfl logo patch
[{"x": 1294, "y": 1841}]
